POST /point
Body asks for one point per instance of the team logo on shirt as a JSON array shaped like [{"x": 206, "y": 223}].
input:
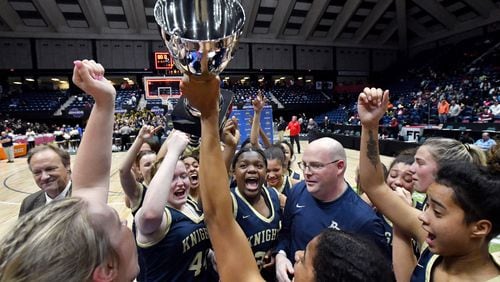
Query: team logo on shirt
[{"x": 334, "y": 225}]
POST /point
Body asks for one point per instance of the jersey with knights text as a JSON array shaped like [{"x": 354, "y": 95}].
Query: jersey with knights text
[
  {"x": 261, "y": 231},
  {"x": 181, "y": 253}
]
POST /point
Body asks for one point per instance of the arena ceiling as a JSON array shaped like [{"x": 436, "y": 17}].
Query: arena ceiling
[{"x": 354, "y": 23}]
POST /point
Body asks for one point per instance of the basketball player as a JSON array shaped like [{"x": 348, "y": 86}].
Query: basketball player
[
  {"x": 171, "y": 234},
  {"x": 256, "y": 207},
  {"x": 455, "y": 229},
  {"x": 235, "y": 260}
]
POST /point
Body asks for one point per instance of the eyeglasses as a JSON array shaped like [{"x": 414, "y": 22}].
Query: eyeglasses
[{"x": 314, "y": 166}]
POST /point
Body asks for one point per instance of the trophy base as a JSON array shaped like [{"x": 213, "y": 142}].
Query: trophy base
[{"x": 186, "y": 122}]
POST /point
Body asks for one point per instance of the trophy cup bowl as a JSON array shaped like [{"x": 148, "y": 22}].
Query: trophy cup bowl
[{"x": 186, "y": 26}]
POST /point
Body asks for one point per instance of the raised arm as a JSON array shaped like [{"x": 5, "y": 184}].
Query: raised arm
[
  {"x": 372, "y": 104},
  {"x": 127, "y": 177},
  {"x": 235, "y": 261},
  {"x": 258, "y": 104},
  {"x": 92, "y": 166},
  {"x": 151, "y": 216},
  {"x": 265, "y": 139},
  {"x": 230, "y": 138}
]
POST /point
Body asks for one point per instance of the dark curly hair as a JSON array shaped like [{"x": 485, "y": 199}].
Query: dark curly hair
[
  {"x": 346, "y": 257},
  {"x": 248, "y": 149}
]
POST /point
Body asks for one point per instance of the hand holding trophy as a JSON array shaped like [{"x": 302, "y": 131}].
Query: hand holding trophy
[{"x": 191, "y": 27}]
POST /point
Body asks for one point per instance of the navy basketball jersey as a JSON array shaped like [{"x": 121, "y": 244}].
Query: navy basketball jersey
[
  {"x": 261, "y": 231},
  {"x": 427, "y": 262},
  {"x": 180, "y": 254},
  {"x": 305, "y": 217},
  {"x": 286, "y": 186},
  {"x": 293, "y": 174},
  {"x": 142, "y": 194},
  {"x": 194, "y": 204},
  {"x": 134, "y": 209},
  {"x": 388, "y": 235},
  {"x": 423, "y": 269},
  {"x": 387, "y": 228}
]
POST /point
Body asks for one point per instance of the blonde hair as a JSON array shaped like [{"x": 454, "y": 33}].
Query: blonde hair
[
  {"x": 58, "y": 242},
  {"x": 445, "y": 150},
  {"x": 494, "y": 159}
]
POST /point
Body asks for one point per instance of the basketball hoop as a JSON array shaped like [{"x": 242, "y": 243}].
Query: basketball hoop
[{"x": 164, "y": 93}]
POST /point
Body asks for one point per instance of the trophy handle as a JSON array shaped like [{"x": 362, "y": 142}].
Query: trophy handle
[{"x": 159, "y": 13}]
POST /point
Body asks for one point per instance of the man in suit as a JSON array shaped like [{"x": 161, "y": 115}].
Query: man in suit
[{"x": 50, "y": 166}]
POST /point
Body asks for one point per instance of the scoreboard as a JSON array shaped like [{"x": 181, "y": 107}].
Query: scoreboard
[{"x": 163, "y": 61}]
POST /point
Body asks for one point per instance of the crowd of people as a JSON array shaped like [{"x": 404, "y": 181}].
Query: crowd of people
[
  {"x": 215, "y": 212},
  {"x": 68, "y": 137}
]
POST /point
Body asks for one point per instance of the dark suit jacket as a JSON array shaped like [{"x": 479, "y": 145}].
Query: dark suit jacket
[{"x": 34, "y": 201}]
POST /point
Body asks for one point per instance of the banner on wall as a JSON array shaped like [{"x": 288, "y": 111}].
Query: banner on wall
[
  {"x": 76, "y": 112},
  {"x": 319, "y": 85},
  {"x": 245, "y": 116},
  {"x": 329, "y": 85}
]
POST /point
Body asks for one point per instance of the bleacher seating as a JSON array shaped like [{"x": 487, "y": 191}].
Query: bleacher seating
[
  {"x": 126, "y": 99},
  {"x": 43, "y": 103},
  {"x": 291, "y": 95}
]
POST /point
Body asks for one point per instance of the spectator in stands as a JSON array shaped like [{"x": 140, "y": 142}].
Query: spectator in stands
[
  {"x": 281, "y": 128},
  {"x": 394, "y": 128},
  {"x": 465, "y": 138},
  {"x": 486, "y": 115},
  {"x": 495, "y": 109},
  {"x": 354, "y": 119},
  {"x": 326, "y": 123},
  {"x": 7, "y": 141},
  {"x": 443, "y": 110},
  {"x": 399, "y": 113},
  {"x": 455, "y": 110},
  {"x": 485, "y": 143},
  {"x": 51, "y": 170},
  {"x": 294, "y": 127}
]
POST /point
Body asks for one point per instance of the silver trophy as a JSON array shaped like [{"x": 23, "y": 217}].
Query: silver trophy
[{"x": 186, "y": 26}]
